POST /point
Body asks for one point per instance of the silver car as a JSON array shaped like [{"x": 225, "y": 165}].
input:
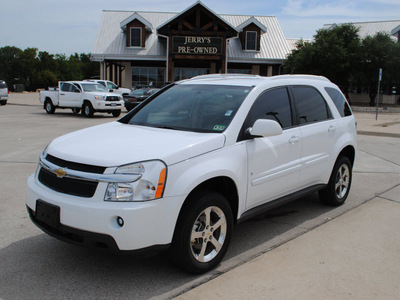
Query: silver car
[{"x": 3, "y": 92}]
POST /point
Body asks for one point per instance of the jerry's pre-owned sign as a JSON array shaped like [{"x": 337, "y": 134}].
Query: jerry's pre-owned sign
[{"x": 197, "y": 45}]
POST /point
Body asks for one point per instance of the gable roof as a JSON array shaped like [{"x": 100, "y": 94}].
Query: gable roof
[
  {"x": 192, "y": 7},
  {"x": 110, "y": 42},
  {"x": 136, "y": 16},
  {"x": 250, "y": 21}
]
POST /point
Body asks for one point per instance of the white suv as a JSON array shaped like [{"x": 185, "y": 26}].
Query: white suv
[{"x": 183, "y": 167}]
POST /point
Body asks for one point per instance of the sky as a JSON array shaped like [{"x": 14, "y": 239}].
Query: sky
[{"x": 70, "y": 26}]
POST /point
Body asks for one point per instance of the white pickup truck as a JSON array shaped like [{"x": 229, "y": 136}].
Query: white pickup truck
[{"x": 90, "y": 97}]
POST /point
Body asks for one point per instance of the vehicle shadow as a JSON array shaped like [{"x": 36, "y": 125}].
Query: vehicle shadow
[{"x": 42, "y": 267}]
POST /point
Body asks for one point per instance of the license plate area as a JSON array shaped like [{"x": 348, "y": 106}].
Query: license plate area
[{"x": 47, "y": 213}]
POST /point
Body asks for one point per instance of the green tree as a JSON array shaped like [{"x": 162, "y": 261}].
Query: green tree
[
  {"x": 41, "y": 69},
  {"x": 333, "y": 54},
  {"x": 9, "y": 57},
  {"x": 379, "y": 51}
]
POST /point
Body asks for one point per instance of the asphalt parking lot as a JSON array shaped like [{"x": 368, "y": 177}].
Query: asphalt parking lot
[{"x": 36, "y": 266}]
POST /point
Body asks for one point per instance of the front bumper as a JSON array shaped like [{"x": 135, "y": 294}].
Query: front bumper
[
  {"x": 94, "y": 222},
  {"x": 108, "y": 105}
]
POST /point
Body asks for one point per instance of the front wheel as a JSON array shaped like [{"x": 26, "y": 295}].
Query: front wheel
[
  {"x": 203, "y": 232},
  {"x": 116, "y": 113},
  {"x": 87, "y": 110},
  {"x": 76, "y": 110},
  {"x": 338, "y": 187}
]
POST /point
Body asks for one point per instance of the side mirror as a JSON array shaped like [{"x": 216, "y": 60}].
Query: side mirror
[
  {"x": 264, "y": 128},
  {"x": 111, "y": 90}
]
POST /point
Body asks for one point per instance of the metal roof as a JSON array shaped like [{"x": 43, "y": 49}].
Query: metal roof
[
  {"x": 370, "y": 28},
  {"x": 110, "y": 41}
]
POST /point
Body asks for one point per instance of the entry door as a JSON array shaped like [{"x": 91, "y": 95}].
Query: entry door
[{"x": 274, "y": 163}]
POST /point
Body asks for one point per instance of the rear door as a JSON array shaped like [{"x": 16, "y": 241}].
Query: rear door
[
  {"x": 318, "y": 133},
  {"x": 274, "y": 163}
]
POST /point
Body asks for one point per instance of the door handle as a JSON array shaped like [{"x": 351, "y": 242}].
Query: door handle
[
  {"x": 332, "y": 128},
  {"x": 62, "y": 94},
  {"x": 294, "y": 139}
]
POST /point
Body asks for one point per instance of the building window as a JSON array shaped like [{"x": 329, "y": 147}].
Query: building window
[
  {"x": 136, "y": 37},
  {"x": 239, "y": 71},
  {"x": 186, "y": 73},
  {"x": 148, "y": 76},
  {"x": 251, "y": 40}
]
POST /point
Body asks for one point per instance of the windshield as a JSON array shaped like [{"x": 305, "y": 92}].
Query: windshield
[
  {"x": 111, "y": 85},
  {"x": 199, "y": 108},
  {"x": 93, "y": 87}
]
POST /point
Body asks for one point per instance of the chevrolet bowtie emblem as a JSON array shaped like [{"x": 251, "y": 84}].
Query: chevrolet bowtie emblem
[{"x": 60, "y": 172}]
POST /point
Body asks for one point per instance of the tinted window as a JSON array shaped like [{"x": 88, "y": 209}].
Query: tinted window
[
  {"x": 311, "y": 105},
  {"x": 3, "y": 85},
  {"x": 65, "y": 87},
  {"x": 340, "y": 101},
  {"x": 274, "y": 105}
]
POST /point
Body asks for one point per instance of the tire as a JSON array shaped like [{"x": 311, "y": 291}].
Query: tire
[
  {"x": 87, "y": 110},
  {"x": 76, "y": 110},
  {"x": 49, "y": 107},
  {"x": 203, "y": 232},
  {"x": 338, "y": 188},
  {"x": 116, "y": 113},
  {"x": 3, "y": 102}
]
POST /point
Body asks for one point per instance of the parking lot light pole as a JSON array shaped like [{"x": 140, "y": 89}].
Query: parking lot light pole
[{"x": 379, "y": 87}]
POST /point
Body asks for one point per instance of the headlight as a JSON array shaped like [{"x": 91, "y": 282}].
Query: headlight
[
  {"x": 149, "y": 186},
  {"x": 99, "y": 97}
]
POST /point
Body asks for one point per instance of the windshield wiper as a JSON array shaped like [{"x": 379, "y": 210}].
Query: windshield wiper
[{"x": 165, "y": 127}]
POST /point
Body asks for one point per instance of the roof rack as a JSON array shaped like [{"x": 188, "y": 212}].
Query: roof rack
[
  {"x": 300, "y": 76},
  {"x": 226, "y": 75}
]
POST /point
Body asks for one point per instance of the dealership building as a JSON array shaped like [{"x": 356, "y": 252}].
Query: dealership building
[{"x": 137, "y": 49}]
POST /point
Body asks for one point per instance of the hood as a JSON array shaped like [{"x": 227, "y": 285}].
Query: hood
[{"x": 116, "y": 144}]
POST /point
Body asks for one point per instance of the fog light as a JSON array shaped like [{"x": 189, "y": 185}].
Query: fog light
[{"x": 120, "y": 221}]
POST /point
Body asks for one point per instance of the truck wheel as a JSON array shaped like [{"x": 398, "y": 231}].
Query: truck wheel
[
  {"x": 87, "y": 110},
  {"x": 116, "y": 113},
  {"x": 76, "y": 110},
  {"x": 49, "y": 107},
  {"x": 203, "y": 232},
  {"x": 338, "y": 187}
]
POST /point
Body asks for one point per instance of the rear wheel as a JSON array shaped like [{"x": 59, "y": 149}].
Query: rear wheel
[
  {"x": 49, "y": 107},
  {"x": 87, "y": 110},
  {"x": 203, "y": 232},
  {"x": 338, "y": 188}
]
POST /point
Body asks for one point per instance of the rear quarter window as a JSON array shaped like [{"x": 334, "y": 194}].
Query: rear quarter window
[{"x": 340, "y": 101}]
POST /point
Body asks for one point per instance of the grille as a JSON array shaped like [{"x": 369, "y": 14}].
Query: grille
[
  {"x": 70, "y": 186},
  {"x": 75, "y": 166},
  {"x": 112, "y": 98}
]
